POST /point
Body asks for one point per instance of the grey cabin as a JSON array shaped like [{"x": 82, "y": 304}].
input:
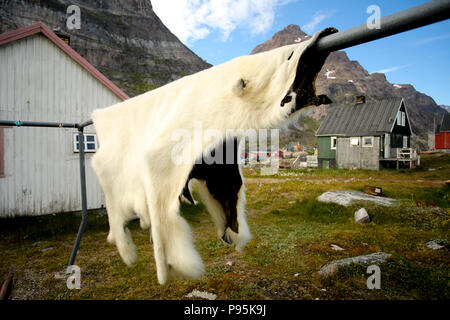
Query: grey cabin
[{"x": 366, "y": 136}]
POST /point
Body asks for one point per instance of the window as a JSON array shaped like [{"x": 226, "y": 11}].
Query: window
[
  {"x": 401, "y": 118},
  {"x": 367, "y": 141},
  {"x": 90, "y": 142},
  {"x": 405, "y": 141},
  {"x": 333, "y": 143},
  {"x": 354, "y": 141}
]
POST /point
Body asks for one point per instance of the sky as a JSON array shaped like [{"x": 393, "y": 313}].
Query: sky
[{"x": 220, "y": 30}]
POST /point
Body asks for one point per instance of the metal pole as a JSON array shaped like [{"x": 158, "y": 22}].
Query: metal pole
[
  {"x": 20, "y": 123},
  {"x": 428, "y": 13},
  {"x": 85, "y": 124},
  {"x": 83, "y": 198}
]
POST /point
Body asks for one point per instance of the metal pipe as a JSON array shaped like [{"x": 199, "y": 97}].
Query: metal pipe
[
  {"x": 83, "y": 199},
  {"x": 419, "y": 16},
  {"x": 85, "y": 124},
  {"x": 20, "y": 123}
]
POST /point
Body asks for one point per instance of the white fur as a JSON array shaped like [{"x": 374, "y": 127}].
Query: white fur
[
  {"x": 134, "y": 163},
  {"x": 184, "y": 199}
]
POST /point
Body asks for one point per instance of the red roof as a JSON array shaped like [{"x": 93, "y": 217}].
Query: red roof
[{"x": 42, "y": 28}]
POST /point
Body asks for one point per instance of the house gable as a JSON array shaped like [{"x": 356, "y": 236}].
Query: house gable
[
  {"x": 401, "y": 124},
  {"x": 61, "y": 44}
]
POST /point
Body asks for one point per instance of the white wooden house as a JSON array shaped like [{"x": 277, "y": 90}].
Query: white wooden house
[{"x": 43, "y": 79}]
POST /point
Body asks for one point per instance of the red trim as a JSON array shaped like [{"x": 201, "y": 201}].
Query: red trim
[{"x": 42, "y": 28}]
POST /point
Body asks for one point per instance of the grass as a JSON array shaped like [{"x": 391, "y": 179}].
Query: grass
[{"x": 292, "y": 234}]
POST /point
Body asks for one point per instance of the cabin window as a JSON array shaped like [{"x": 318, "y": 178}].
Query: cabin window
[
  {"x": 354, "y": 142},
  {"x": 401, "y": 118},
  {"x": 405, "y": 141},
  {"x": 367, "y": 141},
  {"x": 333, "y": 143},
  {"x": 90, "y": 142}
]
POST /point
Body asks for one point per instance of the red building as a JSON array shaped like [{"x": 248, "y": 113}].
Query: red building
[{"x": 442, "y": 133}]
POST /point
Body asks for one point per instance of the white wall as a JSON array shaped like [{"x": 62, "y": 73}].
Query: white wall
[{"x": 39, "y": 82}]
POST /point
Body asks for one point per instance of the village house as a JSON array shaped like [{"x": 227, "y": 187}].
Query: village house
[
  {"x": 442, "y": 133},
  {"x": 366, "y": 136},
  {"x": 43, "y": 79}
]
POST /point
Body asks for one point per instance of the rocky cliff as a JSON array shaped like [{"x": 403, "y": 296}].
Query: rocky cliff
[
  {"x": 342, "y": 80},
  {"x": 124, "y": 39}
]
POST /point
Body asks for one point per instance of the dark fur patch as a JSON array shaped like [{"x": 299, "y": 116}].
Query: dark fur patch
[
  {"x": 304, "y": 84},
  {"x": 222, "y": 180}
]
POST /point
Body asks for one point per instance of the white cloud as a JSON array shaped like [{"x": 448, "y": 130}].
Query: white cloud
[
  {"x": 191, "y": 20},
  {"x": 431, "y": 39},
  {"x": 317, "y": 18},
  {"x": 392, "y": 69}
]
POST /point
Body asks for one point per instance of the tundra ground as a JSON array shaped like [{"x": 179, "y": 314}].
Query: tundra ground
[{"x": 292, "y": 237}]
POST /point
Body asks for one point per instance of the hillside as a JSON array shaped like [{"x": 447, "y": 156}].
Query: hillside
[
  {"x": 124, "y": 39},
  {"x": 342, "y": 80}
]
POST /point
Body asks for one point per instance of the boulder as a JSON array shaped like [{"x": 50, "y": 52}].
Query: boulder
[
  {"x": 345, "y": 198},
  {"x": 437, "y": 244},
  {"x": 336, "y": 247},
  {"x": 361, "y": 216},
  {"x": 374, "y": 258},
  {"x": 201, "y": 294}
]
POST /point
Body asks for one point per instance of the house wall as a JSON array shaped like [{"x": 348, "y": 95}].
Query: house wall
[
  {"x": 325, "y": 151},
  {"x": 360, "y": 157},
  {"x": 326, "y": 156},
  {"x": 442, "y": 140},
  {"x": 39, "y": 82}
]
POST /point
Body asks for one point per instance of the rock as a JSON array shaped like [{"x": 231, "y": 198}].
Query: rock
[
  {"x": 436, "y": 244},
  {"x": 374, "y": 258},
  {"x": 344, "y": 198},
  {"x": 361, "y": 216},
  {"x": 201, "y": 294},
  {"x": 336, "y": 247}
]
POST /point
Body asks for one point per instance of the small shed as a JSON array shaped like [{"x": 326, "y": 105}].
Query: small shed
[
  {"x": 366, "y": 135},
  {"x": 43, "y": 79},
  {"x": 442, "y": 133}
]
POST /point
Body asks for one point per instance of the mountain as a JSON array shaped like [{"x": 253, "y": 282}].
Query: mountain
[
  {"x": 342, "y": 80},
  {"x": 447, "y": 108},
  {"x": 124, "y": 39}
]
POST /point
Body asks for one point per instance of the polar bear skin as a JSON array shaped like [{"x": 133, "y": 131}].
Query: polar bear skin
[{"x": 134, "y": 164}]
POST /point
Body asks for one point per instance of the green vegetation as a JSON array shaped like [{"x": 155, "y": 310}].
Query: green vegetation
[{"x": 292, "y": 234}]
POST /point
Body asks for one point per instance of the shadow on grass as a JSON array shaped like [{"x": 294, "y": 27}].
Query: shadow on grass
[
  {"x": 50, "y": 226},
  {"x": 400, "y": 279}
]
